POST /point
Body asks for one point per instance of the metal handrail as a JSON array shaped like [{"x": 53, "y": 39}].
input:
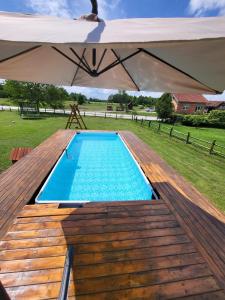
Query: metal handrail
[{"x": 63, "y": 293}]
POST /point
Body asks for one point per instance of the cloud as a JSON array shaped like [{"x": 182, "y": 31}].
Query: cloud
[
  {"x": 108, "y": 9},
  {"x": 58, "y": 8},
  {"x": 216, "y": 97},
  {"x": 201, "y": 7}
]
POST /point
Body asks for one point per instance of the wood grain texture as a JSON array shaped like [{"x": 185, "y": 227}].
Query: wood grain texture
[{"x": 172, "y": 248}]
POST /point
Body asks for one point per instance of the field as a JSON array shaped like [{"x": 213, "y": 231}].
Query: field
[
  {"x": 208, "y": 134},
  {"x": 206, "y": 173},
  {"x": 91, "y": 106}
]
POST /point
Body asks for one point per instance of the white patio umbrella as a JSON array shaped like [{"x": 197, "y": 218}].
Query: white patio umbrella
[{"x": 172, "y": 55}]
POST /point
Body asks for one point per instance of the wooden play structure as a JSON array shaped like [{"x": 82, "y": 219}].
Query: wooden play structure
[{"x": 75, "y": 118}]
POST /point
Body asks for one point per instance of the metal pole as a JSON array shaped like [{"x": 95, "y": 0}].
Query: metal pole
[
  {"x": 94, "y": 4},
  {"x": 66, "y": 274}
]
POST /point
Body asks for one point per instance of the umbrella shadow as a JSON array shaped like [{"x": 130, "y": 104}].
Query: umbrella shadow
[
  {"x": 95, "y": 35},
  {"x": 87, "y": 231}
]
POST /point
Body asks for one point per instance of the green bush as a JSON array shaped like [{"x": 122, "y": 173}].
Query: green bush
[
  {"x": 214, "y": 119},
  {"x": 176, "y": 118},
  {"x": 217, "y": 115}
]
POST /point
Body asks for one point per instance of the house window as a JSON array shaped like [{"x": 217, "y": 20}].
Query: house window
[
  {"x": 186, "y": 106},
  {"x": 199, "y": 107}
]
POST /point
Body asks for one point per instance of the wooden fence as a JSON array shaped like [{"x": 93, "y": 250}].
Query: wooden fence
[{"x": 212, "y": 147}]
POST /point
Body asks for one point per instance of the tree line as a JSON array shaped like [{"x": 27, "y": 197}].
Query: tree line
[{"x": 45, "y": 95}]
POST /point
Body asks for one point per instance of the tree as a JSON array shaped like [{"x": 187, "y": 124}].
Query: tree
[
  {"x": 79, "y": 98},
  {"x": 54, "y": 96},
  {"x": 164, "y": 106},
  {"x": 41, "y": 94},
  {"x": 3, "y": 93}
]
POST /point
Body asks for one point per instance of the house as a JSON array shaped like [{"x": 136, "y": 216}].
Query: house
[
  {"x": 215, "y": 105},
  {"x": 188, "y": 103}
]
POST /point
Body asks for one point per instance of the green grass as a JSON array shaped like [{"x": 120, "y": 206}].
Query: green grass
[
  {"x": 6, "y": 101},
  {"x": 206, "y": 172},
  {"x": 207, "y": 134}
]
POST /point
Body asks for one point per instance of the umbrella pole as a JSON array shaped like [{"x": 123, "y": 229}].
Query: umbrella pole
[{"x": 94, "y": 4}]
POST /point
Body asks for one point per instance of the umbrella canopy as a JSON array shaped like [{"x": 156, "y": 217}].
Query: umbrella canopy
[{"x": 172, "y": 55}]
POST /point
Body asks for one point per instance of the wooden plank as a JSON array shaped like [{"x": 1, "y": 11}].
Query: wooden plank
[
  {"x": 200, "y": 219},
  {"x": 14, "y": 196},
  {"x": 99, "y": 257},
  {"x": 88, "y": 238},
  {"x": 109, "y": 269},
  {"x": 92, "y": 222},
  {"x": 140, "y": 279},
  {"x": 164, "y": 291},
  {"x": 39, "y": 291},
  {"x": 29, "y": 277},
  {"x": 73, "y": 231}
]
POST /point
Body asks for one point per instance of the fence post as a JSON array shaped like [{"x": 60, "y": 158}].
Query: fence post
[
  {"x": 84, "y": 114},
  {"x": 105, "y": 115},
  {"x": 136, "y": 119},
  {"x": 212, "y": 147},
  {"x": 159, "y": 127},
  {"x": 188, "y": 137},
  {"x": 171, "y": 131},
  {"x": 149, "y": 124}
]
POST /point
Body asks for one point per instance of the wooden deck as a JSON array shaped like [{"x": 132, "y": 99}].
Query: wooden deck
[{"x": 172, "y": 248}]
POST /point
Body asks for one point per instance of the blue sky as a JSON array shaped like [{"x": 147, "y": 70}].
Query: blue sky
[{"x": 111, "y": 9}]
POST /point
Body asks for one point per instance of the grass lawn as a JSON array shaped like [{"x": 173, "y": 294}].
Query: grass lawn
[
  {"x": 208, "y": 134},
  {"x": 206, "y": 173}
]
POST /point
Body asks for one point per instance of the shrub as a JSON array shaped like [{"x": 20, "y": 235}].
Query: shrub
[
  {"x": 217, "y": 115},
  {"x": 211, "y": 120},
  {"x": 176, "y": 118}
]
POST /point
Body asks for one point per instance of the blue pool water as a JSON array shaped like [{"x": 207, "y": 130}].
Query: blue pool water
[{"x": 95, "y": 167}]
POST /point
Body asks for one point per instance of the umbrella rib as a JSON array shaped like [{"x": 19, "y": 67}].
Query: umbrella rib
[
  {"x": 100, "y": 62},
  {"x": 119, "y": 61},
  {"x": 177, "y": 69},
  {"x": 70, "y": 59},
  {"x": 20, "y": 53},
  {"x": 125, "y": 69},
  {"x": 75, "y": 75},
  {"x": 85, "y": 64}
]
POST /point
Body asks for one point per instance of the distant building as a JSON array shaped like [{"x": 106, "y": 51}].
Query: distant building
[
  {"x": 188, "y": 103},
  {"x": 215, "y": 105}
]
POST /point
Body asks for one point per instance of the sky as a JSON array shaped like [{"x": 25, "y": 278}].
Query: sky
[{"x": 114, "y": 9}]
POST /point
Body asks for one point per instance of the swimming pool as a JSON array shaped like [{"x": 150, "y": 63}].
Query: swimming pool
[{"x": 95, "y": 167}]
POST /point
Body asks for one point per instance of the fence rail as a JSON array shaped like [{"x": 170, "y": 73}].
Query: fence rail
[
  {"x": 210, "y": 146},
  {"x": 102, "y": 114}
]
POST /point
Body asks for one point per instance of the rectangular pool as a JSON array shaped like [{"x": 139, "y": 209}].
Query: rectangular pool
[{"x": 95, "y": 167}]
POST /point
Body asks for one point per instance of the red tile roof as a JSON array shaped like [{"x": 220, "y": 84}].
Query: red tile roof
[
  {"x": 193, "y": 98},
  {"x": 214, "y": 103}
]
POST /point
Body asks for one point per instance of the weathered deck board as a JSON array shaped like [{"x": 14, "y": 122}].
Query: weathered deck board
[
  {"x": 170, "y": 248},
  {"x": 115, "y": 258},
  {"x": 201, "y": 220},
  {"x": 19, "y": 183}
]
